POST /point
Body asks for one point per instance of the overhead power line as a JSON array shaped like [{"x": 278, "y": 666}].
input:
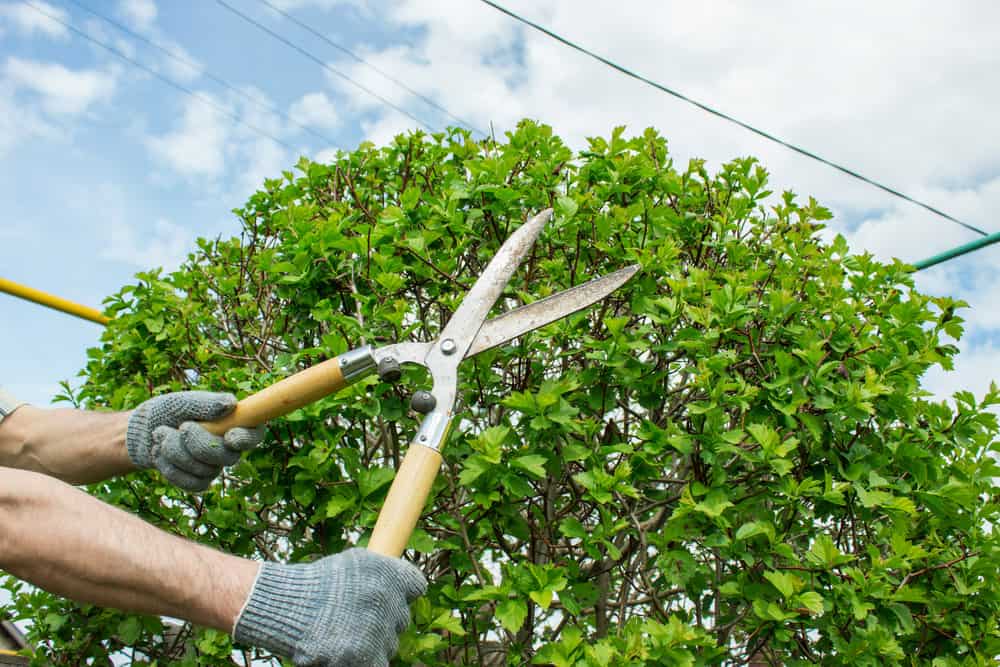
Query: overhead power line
[
  {"x": 170, "y": 82},
  {"x": 356, "y": 57},
  {"x": 714, "y": 112},
  {"x": 261, "y": 104},
  {"x": 322, "y": 64}
]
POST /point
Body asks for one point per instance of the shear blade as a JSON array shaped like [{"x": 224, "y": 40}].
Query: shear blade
[
  {"x": 465, "y": 324},
  {"x": 512, "y": 324}
]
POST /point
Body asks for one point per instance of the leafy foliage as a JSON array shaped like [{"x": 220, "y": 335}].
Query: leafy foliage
[{"x": 729, "y": 459}]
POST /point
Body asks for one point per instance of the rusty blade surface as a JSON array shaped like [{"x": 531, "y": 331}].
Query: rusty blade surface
[
  {"x": 468, "y": 318},
  {"x": 517, "y": 322}
]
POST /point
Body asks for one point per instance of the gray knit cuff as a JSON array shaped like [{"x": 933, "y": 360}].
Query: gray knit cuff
[
  {"x": 284, "y": 603},
  {"x": 137, "y": 437}
]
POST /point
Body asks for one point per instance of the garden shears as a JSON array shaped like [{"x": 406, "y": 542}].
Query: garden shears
[{"x": 466, "y": 334}]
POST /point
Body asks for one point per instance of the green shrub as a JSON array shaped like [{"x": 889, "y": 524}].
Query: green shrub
[{"x": 731, "y": 457}]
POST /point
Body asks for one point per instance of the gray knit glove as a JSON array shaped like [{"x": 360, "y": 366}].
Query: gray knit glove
[
  {"x": 162, "y": 434},
  {"x": 345, "y": 610}
]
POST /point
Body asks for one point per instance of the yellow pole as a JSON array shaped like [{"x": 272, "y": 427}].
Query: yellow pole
[{"x": 52, "y": 301}]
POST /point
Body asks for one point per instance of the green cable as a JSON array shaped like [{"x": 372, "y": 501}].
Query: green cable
[{"x": 957, "y": 251}]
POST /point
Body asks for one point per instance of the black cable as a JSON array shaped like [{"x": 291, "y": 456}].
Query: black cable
[
  {"x": 159, "y": 76},
  {"x": 322, "y": 64},
  {"x": 188, "y": 63},
  {"x": 724, "y": 116},
  {"x": 356, "y": 57}
]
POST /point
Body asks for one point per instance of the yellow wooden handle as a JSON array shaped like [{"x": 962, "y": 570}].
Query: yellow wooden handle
[
  {"x": 283, "y": 397},
  {"x": 405, "y": 501}
]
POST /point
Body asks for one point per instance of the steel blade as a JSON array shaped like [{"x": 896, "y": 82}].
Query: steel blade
[
  {"x": 464, "y": 325},
  {"x": 517, "y": 322}
]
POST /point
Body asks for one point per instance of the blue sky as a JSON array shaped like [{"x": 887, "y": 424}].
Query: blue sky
[{"x": 108, "y": 171}]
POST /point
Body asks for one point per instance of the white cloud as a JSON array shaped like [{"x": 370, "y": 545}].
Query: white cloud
[
  {"x": 137, "y": 240},
  {"x": 385, "y": 127},
  {"x": 185, "y": 68},
  {"x": 60, "y": 90},
  {"x": 259, "y": 159},
  {"x": 30, "y": 21},
  {"x": 258, "y": 155},
  {"x": 975, "y": 368},
  {"x": 215, "y": 151},
  {"x": 196, "y": 148},
  {"x": 19, "y": 124},
  {"x": 141, "y": 14},
  {"x": 147, "y": 245},
  {"x": 910, "y": 120},
  {"x": 326, "y": 155},
  {"x": 315, "y": 110},
  {"x": 912, "y": 234}
]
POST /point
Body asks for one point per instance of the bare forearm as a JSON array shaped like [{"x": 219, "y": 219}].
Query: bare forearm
[
  {"x": 66, "y": 542},
  {"x": 75, "y": 446}
]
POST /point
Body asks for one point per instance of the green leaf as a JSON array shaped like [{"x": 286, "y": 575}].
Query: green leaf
[
  {"x": 754, "y": 528},
  {"x": 473, "y": 468},
  {"x": 566, "y": 207},
  {"x": 575, "y": 452},
  {"x": 420, "y": 540},
  {"x": 373, "y": 479},
  {"x": 533, "y": 464},
  {"x": 872, "y": 499},
  {"x": 786, "y": 582},
  {"x": 825, "y": 553},
  {"x": 490, "y": 443},
  {"x": 445, "y": 621},
  {"x": 304, "y": 491},
  {"x": 154, "y": 324},
  {"x": 571, "y": 527},
  {"x": 812, "y": 601},
  {"x": 55, "y": 621},
  {"x": 765, "y": 436},
  {"x": 542, "y": 598},
  {"x": 771, "y": 611},
  {"x": 392, "y": 215},
  {"x": 342, "y": 499},
  {"x": 904, "y": 617},
  {"x": 715, "y": 503},
  {"x": 511, "y": 614},
  {"x": 129, "y": 630}
]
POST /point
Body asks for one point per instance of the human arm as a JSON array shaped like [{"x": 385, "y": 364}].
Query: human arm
[
  {"x": 76, "y": 446},
  {"x": 69, "y": 543},
  {"x": 82, "y": 447},
  {"x": 341, "y": 610}
]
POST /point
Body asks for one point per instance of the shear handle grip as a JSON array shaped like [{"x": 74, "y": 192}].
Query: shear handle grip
[
  {"x": 405, "y": 502},
  {"x": 296, "y": 391}
]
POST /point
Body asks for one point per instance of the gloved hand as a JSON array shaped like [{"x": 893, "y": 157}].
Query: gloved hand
[
  {"x": 345, "y": 610},
  {"x": 162, "y": 433}
]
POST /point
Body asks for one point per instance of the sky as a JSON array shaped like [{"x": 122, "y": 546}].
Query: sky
[{"x": 107, "y": 170}]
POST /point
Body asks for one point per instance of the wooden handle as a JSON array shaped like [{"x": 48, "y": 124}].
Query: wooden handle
[
  {"x": 283, "y": 397},
  {"x": 405, "y": 501}
]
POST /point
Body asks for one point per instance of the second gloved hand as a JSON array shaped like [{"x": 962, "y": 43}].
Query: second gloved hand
[
  {"x": 162, "y": 434},
  {"x": 345, "y": 610}
]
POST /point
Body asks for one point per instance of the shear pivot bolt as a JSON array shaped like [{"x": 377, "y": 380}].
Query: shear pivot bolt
[
  {"x": 389, "y": 370},
  {"x": 423, "y": 401},
  {"x": 448, "y": 346}
]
